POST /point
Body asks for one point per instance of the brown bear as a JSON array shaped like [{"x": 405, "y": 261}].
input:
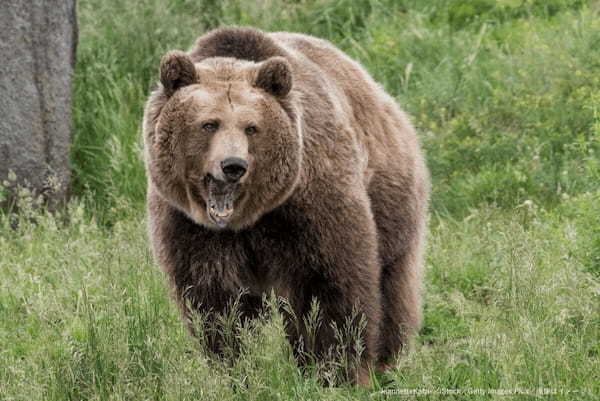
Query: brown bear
[{"x": 276, "y": 164}]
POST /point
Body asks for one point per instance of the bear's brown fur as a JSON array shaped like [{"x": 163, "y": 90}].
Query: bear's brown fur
[{"x": 333, "y": 194}]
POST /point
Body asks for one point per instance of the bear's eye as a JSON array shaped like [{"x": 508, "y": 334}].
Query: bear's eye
[
  {"x": 210, "y": 126},
  {"x": 251, "y": 130}
]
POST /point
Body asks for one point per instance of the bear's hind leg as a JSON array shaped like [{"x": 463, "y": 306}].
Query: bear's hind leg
[
  {"x": 401, "y": 300},
  {"x": 399, "y": 204}
]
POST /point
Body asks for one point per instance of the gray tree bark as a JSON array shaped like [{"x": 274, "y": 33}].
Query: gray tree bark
[{"x": 38, "y": 39}]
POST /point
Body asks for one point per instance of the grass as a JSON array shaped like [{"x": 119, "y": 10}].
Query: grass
[{"x": 506, "y": 96}]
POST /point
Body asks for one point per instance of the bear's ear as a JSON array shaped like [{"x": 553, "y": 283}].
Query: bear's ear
[
  {"x": 275, "y": 76},
  {"x": 176, "y": 70}
]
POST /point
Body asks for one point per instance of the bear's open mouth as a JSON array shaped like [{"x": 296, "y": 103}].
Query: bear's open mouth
[{"x": 221, "y": 197}]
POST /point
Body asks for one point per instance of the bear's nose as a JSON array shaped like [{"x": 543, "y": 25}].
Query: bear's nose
[{"x": 234, "y": 168}]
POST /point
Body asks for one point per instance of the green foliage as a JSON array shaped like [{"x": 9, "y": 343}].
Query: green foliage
[
  {"x": 507, "y": 112},
  {"x": 511, "y": 303}
]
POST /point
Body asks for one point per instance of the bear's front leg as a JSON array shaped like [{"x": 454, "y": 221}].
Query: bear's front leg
[
  {"x": 340, "y": 271},
  {"x": 213, "y": 314},
  {"x": 207, "y": 272}
]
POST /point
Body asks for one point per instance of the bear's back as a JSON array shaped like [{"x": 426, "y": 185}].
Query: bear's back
[
  {"x": 342, "y": 104},
  {"x": 377, "y": 121}
]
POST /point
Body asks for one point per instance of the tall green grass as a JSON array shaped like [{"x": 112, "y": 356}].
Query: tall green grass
[
  {"x": 510, "y": 306},
  {"x": 506, "y": 97}
]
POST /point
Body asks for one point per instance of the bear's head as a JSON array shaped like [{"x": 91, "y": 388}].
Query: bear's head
[{"x": 222, "y": 138}]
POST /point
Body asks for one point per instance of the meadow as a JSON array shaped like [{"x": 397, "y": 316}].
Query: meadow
[{"x": 505, "y": 95}]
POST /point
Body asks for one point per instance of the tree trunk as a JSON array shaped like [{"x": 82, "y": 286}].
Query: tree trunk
[{"x": 38, "y": 39}]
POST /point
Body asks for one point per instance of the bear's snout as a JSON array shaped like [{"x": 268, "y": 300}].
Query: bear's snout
[{"x": 234, "y": 168}]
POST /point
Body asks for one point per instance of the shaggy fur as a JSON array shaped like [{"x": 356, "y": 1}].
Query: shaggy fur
[{"x": 332, "y": 207}]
